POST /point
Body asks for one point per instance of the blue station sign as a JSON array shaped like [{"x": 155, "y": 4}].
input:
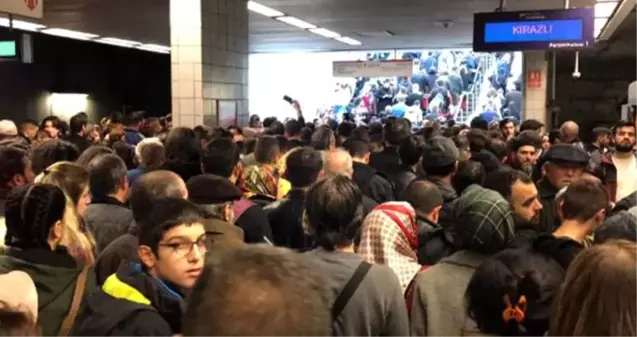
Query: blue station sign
[{"x": 540, "y": 30}]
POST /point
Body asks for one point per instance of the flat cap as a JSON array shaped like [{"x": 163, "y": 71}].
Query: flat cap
[
  {"x": 439, "y": 152},
  {"x": 567, "y": 154},
  {"x": 208, "y": 189}
]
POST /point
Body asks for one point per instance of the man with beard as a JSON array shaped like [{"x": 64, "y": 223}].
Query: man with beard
[
  {"x": 620, "y": 167},
  {"x": 601, "y": 142},
  {"x": 524, "y": 151},
  {"x": 519, "y": 190}
]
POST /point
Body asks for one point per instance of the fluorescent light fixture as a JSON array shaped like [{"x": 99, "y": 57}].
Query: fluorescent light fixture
[
  {"x": 349, "y": 41},
  {"x": 155, "y": 48},
  {"x": 599, "y": 25},
  {"x": 118, "y": 42},
  {"x": 325, "y": 33},
  {"x": 604, "y": 9},
  {"x": 292, "y": 21},
  {"x": 263, "y": 10},
  {"x": 63, "y": 104},
  {"x": 22, "y": 25},
  {"x": 72, "y": 34}
]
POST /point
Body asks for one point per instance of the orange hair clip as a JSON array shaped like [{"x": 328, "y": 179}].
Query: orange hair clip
[{"x": 516, "y": 312}]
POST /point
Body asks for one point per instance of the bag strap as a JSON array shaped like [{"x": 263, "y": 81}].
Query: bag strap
[
  {"x": 78, "y": 295},
  {"x": 350, "y": 288},
  {"x": 409, "y": 292}
]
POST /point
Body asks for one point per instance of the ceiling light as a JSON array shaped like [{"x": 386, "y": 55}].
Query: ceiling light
[
  {"x": 599, "y": 25},
  {"x": 118, "y": 42},
  {"x": 70, "y": 34},
  {"x": 325, "y": 33},
  {"x": 155, "y": 48},
  {"x": 349, "y": 41},
  {"x": 22, "y": 25},
  {"x": 263, "y": 10},
  {"x": 290, "y": 20},
  {"x": 605, "y": 9}
]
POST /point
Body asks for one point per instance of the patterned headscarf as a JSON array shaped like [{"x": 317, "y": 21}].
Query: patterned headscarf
[
  {"x": 390, "y": 237},
  {"x": 260, "y": 180}
]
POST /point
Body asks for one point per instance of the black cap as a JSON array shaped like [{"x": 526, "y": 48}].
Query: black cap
[
  {"x": 567, "y": 154},
  {"x": 439, "y": 152},
  {"x": 209, "y": 189},
  {"x": 602, "y": 131}
]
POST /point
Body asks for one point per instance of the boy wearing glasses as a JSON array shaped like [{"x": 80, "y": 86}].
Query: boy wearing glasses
[{"x": 145, "y": 299}]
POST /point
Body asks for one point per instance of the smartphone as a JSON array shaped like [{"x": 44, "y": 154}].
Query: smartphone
[{"x": 288, "y": 99}]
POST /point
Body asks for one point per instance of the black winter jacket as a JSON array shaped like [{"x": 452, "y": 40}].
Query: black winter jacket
[
  {"x": 373, "y": 183},
  {"x": 131, "y": 303}
]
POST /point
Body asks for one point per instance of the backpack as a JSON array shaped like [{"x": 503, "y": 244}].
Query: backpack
[{"x": 349, "y": 289}]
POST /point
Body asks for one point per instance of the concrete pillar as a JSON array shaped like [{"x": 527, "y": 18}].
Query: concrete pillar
[
  {"x": 209, "y": 59},
  {"x": 536, "y": 77}
]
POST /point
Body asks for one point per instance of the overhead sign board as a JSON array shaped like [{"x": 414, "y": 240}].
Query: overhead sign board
[
  {"x": 539, "y": 30},
  {"x": 28, "y": 8},
  {"x": 10, "y": 47},
  {"x": 372, "y": 68}
]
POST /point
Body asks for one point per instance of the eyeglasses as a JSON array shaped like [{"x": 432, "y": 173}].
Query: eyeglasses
[{"x": 183, "y": 249}]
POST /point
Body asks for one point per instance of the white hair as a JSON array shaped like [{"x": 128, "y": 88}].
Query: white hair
[
  {"x": 8, "y": 128},
  {"x": 143, "y": 143},
  {"x": 338, "y": 162}
]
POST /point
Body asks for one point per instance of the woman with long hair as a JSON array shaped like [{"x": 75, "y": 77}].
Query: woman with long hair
[
  {"x": 38, "y": 237},
  {"x": 74, "y": 182},
  {"x": 599, "y": 295}
]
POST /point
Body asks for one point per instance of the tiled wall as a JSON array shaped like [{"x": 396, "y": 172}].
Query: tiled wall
[
  {"x": 209, "y": 60},
  {"x": 535, "y": 97}
]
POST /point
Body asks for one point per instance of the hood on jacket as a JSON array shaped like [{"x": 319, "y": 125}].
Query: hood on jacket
[
  {"x": 483, "y": 221},
  {"x": 621, "y": 225},
  {"x": 52, "y": 272},
  {"x": 561, "y": 249},
  {"x": 136, "y": 291},
  {"x": 54, "y": 275}
]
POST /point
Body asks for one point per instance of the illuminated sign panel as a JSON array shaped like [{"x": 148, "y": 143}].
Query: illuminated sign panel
[
  {"x": 8, "y": 49},
  {"x": 544, "y": 30}
]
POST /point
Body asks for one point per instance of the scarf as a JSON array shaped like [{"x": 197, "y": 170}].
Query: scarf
[
  {"x": 260, "y": 180},
  {"x": 390, "y": 237}
]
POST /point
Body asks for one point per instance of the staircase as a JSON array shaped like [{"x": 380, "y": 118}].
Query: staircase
[{"x": 486, "y": 67}]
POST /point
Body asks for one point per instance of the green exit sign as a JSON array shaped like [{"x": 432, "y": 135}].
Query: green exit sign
[{"x": 8, "y": 49}]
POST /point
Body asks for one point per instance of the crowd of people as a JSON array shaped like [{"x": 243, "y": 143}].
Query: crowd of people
[
  {"x": 438, "y": 89},
  {"x": 135, "y": 227}
]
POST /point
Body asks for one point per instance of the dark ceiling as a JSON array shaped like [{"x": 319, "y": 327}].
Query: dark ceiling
[{"x": 415, "y": 23}]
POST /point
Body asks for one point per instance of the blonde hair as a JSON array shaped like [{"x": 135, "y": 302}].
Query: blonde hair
[
  {"x": 72, "y": 178},
  {"x": 82, "y": 243}
]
